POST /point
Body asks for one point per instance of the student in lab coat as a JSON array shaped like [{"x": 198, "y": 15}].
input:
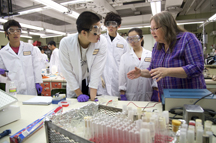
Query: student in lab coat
[
  {"x": 45, "y": 61},
  {"x": 20, "y": 60},
  {"x": 140, "y": 89},
  {"x": 39, "y": 55},
  {"x": 82, "y": 57},
  {"x": 116, "y": 47},
  {"x": 54, "y": 59}
]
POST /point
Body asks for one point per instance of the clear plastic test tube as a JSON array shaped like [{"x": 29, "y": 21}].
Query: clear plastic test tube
[
  {"x": 96, "y": 127},
  {"x": 131, "y": 136},
  {"x": 190, "y": 136},
  {"x": 162, "y": 123},
  {"x": 184, "y": 126},
  {"x": 145, "y": 125},
  {"x": 130, "y": 115},
  {"x": 124, "y": 107},
  {"x": 166, "y": 116},
  {"x": 145, "y": 136},
  {"x": 199, "y": 135},
  {"x": 137, "y": 136},
  {"x": 126, "y": 135},
  {"x": 110, "y": 129},
  {"x": 152, "y": 129},
  {"x": 139, "y": 124},
  {"x": 182, "y": 138},
  {"x": 210, "y": 134}
]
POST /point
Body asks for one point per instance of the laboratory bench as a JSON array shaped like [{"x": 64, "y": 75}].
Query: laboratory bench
[
  {"x": 30, "y": 113},
  {"x": 53, "y": 82},
  {"x": 210, "y": 83},
  {"x": 58, "y": 82}
]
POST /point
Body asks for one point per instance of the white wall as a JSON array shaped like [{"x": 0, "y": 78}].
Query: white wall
[
  {"x": 4, "y": 41},
  {"x": 149, "y": 42}
]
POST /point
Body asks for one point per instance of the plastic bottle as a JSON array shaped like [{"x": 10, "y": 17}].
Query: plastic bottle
[{"x": 13, "y": 89}]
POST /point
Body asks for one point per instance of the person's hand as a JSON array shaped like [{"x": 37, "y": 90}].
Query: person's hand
[
  {"x": 134, "y": 73},
  {"x": 82, "y": 98},
  {"x": 2, "y": 71},
  {"x": 38, "y": 87},
  {"x": 159, "y": 73},
  {"x": 123, "y": 97}
]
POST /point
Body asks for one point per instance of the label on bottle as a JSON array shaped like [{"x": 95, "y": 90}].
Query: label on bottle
[{"x": 13, "y": 90}]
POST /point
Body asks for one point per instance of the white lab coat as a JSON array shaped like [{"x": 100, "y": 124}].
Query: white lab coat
[
  {"x": 39, "y": 55},
  {"x": 24, "y": 68},
  {"x": 54, "y": 59},
  {"x": 70, "y": 62},
  {"x": 139, "y": 89},
  {"x": 115, "y": 49},
  {"x": 44, "y": 61}
]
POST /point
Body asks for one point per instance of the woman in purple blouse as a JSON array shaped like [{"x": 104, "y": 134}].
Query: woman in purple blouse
[{"x": 177, "y": 56}]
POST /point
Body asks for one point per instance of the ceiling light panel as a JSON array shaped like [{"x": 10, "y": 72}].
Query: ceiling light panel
[
  {"x": 25, "y": 36},
  {"x": 156, "y": 7},
  {"x": 48, "y": 36},
  {"x": 75, "y": 2},
  {"x": 212, "y": 17},
  {"x": 30, "y": 11},
  {"x": 55, "y": 32},
  {"x": 53, "y": 5},
  {"x": 58, "y": 7},
  {"x": 31, "y": 26}
]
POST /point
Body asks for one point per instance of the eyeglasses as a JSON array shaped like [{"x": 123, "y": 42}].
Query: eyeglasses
[
  {"x": 154, "y": 29},
  {"x": 49, "y": 46},
  {"x": 96, "y": 30},
  {"x": 12, "y": 31},
  {"x": 111, "y": 23},
  {"x": 135, "y": 39}
]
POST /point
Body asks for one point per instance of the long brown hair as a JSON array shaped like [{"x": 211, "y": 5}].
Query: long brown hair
[{"x": 169, "y": 26}]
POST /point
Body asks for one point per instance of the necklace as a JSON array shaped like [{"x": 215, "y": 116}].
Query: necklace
[{"x": 81, "y": 59}]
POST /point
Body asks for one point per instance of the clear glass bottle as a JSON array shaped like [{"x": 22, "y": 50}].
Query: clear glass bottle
[{"x": 13, "y": 89}]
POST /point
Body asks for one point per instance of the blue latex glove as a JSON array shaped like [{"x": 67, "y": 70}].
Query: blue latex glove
[
  {"x": 123, "y": 97},
  {"x": 96, "y": 100},
  {"x": 2, "y": 71},
  {"x": 38, "y": 87},
  {"x": 5, "y": 133},
  {"x": 83, "y": 98},
  {"x": 154, "y": 96}
]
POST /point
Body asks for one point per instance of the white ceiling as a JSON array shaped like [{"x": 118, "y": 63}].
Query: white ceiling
[{"x": 133, "y": 12}]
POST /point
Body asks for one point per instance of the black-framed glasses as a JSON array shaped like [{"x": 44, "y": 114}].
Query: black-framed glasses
[
  {"x": 12, "y": 31},
  {"x": 154, "y": 29}
]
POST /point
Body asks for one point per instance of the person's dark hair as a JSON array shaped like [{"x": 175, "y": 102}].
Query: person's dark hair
[
  {"x": 10, "y": 23},
  {"x": 40, "y": 48},
  {"x": 86, "y": 20},
  {"x": 52, "y": 43},
  {"x": 111, "y": 16},
  {"x": 169, "y": 26},
  {"x": 139, "y": 32}
]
